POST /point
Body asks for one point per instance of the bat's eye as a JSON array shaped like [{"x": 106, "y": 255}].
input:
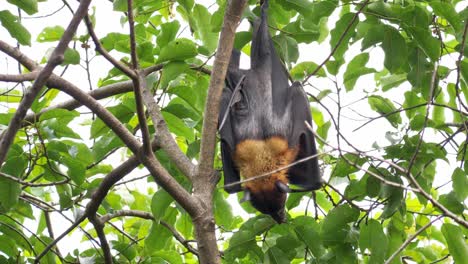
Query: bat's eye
[{"x": 240, "y": 103}]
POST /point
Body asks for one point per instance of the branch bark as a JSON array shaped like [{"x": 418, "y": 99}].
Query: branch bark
[{"x": 206, "y": 178}]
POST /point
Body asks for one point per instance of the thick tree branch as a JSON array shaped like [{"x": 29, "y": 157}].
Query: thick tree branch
[
  {"x": 164, "y": 137},
  {"x": 206, "y": 178},
  {"x": 55, "y": 59}
]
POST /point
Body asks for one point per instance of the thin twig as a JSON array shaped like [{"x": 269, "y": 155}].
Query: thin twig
[
  {"x": 355, "y": 17},
  {"x": 410, "y": 239}
]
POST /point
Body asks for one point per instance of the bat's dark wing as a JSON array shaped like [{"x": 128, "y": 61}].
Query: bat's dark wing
[
  {"x": 228, "y": 142},
  {"x": 306, "y": 175}
]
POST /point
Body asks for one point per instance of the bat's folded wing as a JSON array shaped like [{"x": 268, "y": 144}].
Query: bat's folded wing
[
  {"x": 228, "y": 144},
  {"x": 305, "y": 175}
]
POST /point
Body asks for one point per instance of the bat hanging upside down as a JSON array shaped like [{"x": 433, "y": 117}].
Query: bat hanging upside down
[{"x": 262, "y": 128}]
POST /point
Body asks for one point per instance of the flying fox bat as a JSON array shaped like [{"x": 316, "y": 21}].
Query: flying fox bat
[{"x": 262, "y": 128}]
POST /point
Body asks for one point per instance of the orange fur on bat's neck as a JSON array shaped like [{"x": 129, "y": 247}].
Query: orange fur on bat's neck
[{"x": 256, "y": 157}]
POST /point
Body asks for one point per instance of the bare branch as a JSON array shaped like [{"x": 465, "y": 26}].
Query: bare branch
[
  {"x": 206, "y": 177},
  {"x": 164, "y": 138},
  {"x": 17, "y": 78}
]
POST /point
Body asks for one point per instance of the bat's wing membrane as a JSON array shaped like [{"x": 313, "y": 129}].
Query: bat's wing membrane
[
  {"x": 306, "y": 174},
  {"x": 228, "y": 141}
]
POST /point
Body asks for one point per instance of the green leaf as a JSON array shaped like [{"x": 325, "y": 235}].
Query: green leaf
[
  {"x": 373, "y": 36},
  {"x": 457, "y": 245},
  {"x": 223, "y": 211},
  {"x": 356, "y": 190},
  {"x": 301, "y": 6},
  {"x": 121, "y": 112},
  {"x": 385, "y": 107},
  {"x": 159, "y": 203},
  {"x": 123, "y": 248},
  {"x": 168, "y": 33},
  {"x": 308, "y": 231},
  {"x": 242, "y": 38},
  {"x": 202, "y": 18},
  {"x": 287, "y": 48},
  {"x": 464, "y": 70},
  {"x": 411, "y": 100},
  {"x": 57, "y": 128},
  {"x": 169, "y": 256},
  {"x": 344, "y": 165},
  {"x": 275, "y": 255},
  {"x": 13, "y": 96},
  {"x": 448, "y": 12},
  {"x": 373, "y": 238},
  {"x": 335, "y": 226},
  {"x": 120, "y": 5},
  {"x": 157, "y": 238},
  {"x": 429, "y": 44},
  {"x": 301, "y": 34},
  {"x": 187, "y": 4},
  {"x": 28, "y": 6},
  {"x": 184, "y": 225},
  {"x": 394, "y": 195},
  {"x": 342, "y": 26},
  {"x": 105, "y": 144},
  {"x": 15, "y": 164},
  {"x": 451, "y": 202},
  {"x": 171, "y": 71},
  {"x": 178, "y": 50},
  {"x": 355, "y": 69},
  {"x": 50, "y": 34},
  {"x": 71, "y": 56},
  {"x": 459, "y": 183},
  {"x": 145, "y": 51},
  {"x": 111, "y": 40},
  {"x": 391, "y": 81},
  {"x": 303, "y": 69},
  {"x": 395, "y": 50},
  {"x": 15, "y": 28},
  {"x": 178, "y": 127}
]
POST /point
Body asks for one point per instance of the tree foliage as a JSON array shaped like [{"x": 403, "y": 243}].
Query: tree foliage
[{"x": 388, "y": 86}]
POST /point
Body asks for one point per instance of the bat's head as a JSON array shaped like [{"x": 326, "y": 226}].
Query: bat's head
[{"x": 269, "y": 202}]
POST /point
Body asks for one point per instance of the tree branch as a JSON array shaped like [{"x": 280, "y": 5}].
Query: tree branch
[
  {"x": 206, "y": 177},
  {"x": 99, "y": 48},
  {"x": 55, "y": 59},
  {"x": 410, "y": 239},
  {"x": 340, "y": 40}
]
